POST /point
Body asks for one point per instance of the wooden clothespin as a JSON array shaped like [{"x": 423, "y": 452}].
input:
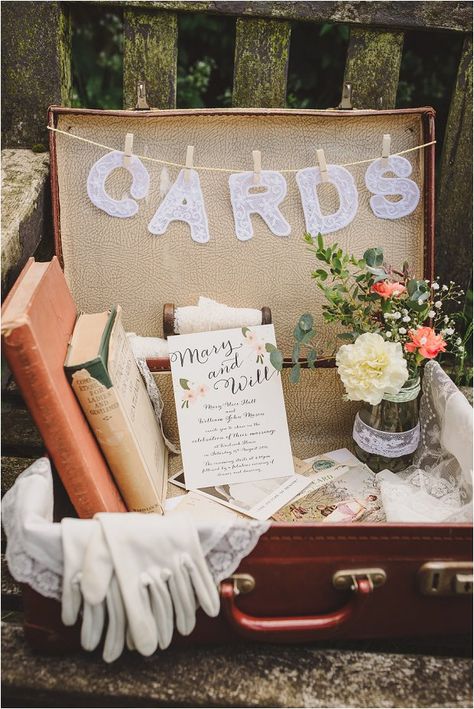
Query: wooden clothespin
[
  {"x": 323, "y": 168},
  {"x": 127, "y": 151},
  {"x": 386, "y": 142},
  {"x": 257, "y": 167},
  {"x": 189, "y": 162}
]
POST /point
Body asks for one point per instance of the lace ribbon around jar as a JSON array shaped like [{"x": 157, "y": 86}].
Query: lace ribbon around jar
[{"x": 387, "y": 444}]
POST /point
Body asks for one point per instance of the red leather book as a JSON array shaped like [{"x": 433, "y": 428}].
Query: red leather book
[{"x": 38, "y": 318}]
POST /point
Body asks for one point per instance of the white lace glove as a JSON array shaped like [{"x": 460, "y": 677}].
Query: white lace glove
[
  {"x": 76, "y": 537},
  {"x": 159, "y": 566}
]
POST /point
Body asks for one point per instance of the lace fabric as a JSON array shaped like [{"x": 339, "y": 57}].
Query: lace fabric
[
  {"x": 34, "y": 549},
  {"x": 184, "y": 202},
  {"x": 98, "y": 175},
  {"x": 315, "y": 220},
  {"x": 387, "y": 444},
  {"x": 437, "y": 487},
  {"x": 245, "y": 203}
]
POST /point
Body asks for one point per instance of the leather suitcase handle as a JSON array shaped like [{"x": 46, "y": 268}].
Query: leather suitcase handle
[{"x": 293, "y": 629}]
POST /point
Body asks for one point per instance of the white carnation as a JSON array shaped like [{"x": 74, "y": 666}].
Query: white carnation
[{"x": 371, "y": 367}]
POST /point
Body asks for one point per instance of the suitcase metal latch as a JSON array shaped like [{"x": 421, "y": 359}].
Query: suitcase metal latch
[
  {"x": 243, "y": 583},
  {"x": 446, "y": 578},
  {"x": 347, "y": 578}
]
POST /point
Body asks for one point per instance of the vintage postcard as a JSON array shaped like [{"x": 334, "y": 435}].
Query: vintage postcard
[
  {"x": 350, "y": 497},
  {"x": 259, "y": 499},
  {"x": 230, "y": 407}
]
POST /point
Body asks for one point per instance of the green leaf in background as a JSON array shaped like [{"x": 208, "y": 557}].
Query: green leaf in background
[
  {"x": 312, "y": 356},
  {"x": 184, "y": 383},
  {"x": 295, "y": 373},
  {"x": 348, "y": 336},
  {"x": 276, "y": 358},
  {"x": 320, "y": 241},
  {"x": 306, "y": 322}
]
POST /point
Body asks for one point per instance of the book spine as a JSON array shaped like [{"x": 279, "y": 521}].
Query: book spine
[
  {"x": 106, "y": 417},
  {"x": 87, "y": 493}
]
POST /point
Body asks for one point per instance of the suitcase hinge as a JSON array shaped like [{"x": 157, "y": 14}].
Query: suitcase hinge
[
  {"x": 347, "y": 579},
  {"x": 142, "y": 103},
  {"x": 346, "y": 99},
  {"x": 446, "y": 578}
]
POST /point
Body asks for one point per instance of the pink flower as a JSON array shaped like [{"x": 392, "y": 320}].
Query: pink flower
[
  {"x": 201, "y": 390},
  {"x": 250, "y": 336},
  {"x": 259, "y": 348},
  {"x": 388, "y": 290},
  {"x": 426, "y": 342},
  {"x": 190, "y": 396}
]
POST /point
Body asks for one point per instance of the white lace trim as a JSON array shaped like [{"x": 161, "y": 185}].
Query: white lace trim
[
  {"x": 156, "y": 400},
  {"x": 389, "y": 445}
]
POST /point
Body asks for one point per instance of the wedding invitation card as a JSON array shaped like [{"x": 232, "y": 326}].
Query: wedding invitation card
[{"x": 230, "y": 407}]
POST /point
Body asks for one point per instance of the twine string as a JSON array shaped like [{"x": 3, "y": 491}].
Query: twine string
[{"x": 225, "y": 169}]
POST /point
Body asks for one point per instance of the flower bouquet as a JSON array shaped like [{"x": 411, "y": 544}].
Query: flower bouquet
[{"x": 393, "y": 323}]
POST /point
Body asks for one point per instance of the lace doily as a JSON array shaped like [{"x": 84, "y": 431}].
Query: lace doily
[
  {"x": 245, "y": 203},
  {"x": 387, "y": 444},
  {"x": 315, "y": 220},
  {"x": 99, "y": 173},
  {"x": 184, "y": 202}
]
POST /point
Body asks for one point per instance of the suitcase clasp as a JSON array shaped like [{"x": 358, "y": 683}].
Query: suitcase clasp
[
  {"x": 446, "y": 578},
  {"x": 347, "y": 579},
  {"x": 243, "y": 583}
]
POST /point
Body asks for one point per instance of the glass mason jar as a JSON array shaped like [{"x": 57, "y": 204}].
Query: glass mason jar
[{"x": 386, "y": 435}]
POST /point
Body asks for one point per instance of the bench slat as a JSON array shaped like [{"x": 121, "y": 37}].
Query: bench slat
[
  {"x": 426, "y": 15},
  {"x": 373, "y": 67},
  {"x": 454, "y": 208},
  {"x": 261, "y": 63},
  {"x": 150, "y": 55}
]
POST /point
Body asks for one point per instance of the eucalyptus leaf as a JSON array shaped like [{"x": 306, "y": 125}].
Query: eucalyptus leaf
[
  {"x": 184, "y": 383},
  {"x": 269, "y": 347},
  {"x": 373, "y": 257},
  {"x": 276, "y": 358},
  {"x": 295, "y": 374},
  {"x": 295, "y": 355},
  {"x": 312, "y": 356},
  {"x": 308, "y": 336},
  {"x": 298, "y": 333},
  {"x": 306, "y": 322}
]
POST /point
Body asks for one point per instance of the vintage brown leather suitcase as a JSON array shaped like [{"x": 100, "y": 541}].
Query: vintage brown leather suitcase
[{"x": 303, "y": 582}]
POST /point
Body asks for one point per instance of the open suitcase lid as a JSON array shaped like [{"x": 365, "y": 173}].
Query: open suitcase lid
[{"x": 108, "y": 260}]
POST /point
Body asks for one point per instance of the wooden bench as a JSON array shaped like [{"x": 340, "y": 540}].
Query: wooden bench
[{"x": 36, "y": 72}]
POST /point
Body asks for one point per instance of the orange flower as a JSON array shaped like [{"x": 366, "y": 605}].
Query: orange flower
[
  {"x": 388, "y": 290},
  {"x": 426, "y": 341}
]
